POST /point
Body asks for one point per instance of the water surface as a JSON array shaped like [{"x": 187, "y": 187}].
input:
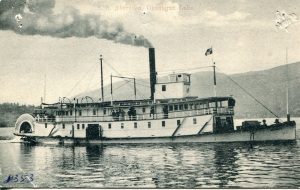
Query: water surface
[{"x": 192, "y": 165}]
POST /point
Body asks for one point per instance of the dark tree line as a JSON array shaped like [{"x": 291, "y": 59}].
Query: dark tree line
[{"x": 9, "y": 112}]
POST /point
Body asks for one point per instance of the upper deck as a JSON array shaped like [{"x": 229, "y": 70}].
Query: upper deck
[{"x": 135, "y": 109}]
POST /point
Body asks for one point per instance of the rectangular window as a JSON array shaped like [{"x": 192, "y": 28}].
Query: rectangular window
[
  {"x": 175, "y": 107},
  {"x": 94, "y": 112},
  {"x": 71, "y": 112},
  {"x": 78, "y": 126},
  {"x": 144, "y": 110},
  {"x": 82, "y": 126},
  {"x": 80, "y": 113},
  {"x": 104, "y": 112},
  {"x": 163, "y": 87},
  {"x": 45, "y": 125},
  {"x": 186, "y": 106},
  {"x": 180, "y": 107},
  {"x": 178, "y": 122},
  {"x": 109, "y": 125},
  {"x": 194, "y": 120},
  {"x": 63, "y": 126},
  {"x": 205, "y": 105},
  {"x": 122, "y": 125},
  {"x": 149, "y": 124},
  {"x": 163, "y": 123},
  {"x": 171, "y": 108},
  {"x": 135, "y": 124},
  {"x": 67, "y": 113},
  {"x": 191, "y": 106},
  {"x": 212, "y": 104},
  {"x": 224, "y": 103}
]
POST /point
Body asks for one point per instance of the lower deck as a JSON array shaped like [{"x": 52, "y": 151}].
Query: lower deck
[{"x": 285, "y": 132}]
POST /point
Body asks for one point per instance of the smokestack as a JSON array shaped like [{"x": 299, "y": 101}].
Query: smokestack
[{"x": 152, "y": 71}]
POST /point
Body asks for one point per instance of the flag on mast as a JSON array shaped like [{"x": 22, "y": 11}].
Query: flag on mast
[{"x": 209, "y": 51}]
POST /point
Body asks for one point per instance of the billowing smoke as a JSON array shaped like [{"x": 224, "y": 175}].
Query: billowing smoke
[{"x": 36, "y": 17}]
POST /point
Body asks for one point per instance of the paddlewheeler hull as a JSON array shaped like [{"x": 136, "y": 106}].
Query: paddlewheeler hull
[{"x": 283, "y": 132}]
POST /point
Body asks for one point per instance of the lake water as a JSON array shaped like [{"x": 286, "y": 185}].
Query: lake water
[{"x": 206, "y": 165}]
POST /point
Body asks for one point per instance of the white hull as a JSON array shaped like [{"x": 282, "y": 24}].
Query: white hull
[{"x": 285, "y": 133}]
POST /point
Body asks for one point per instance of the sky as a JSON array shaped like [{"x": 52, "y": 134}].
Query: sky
[{"x": 55, "y": 45}]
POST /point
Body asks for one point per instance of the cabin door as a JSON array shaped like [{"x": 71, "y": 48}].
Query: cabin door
[{"x": 93, "y": 132}]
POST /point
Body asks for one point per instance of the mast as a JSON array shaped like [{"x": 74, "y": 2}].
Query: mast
[
  {"x": 215, "y": 79},
  {"x": 45, "y": 83},
  {"x": 287, "y": 85},
  {"x": 214, "y": 69},
  {"x": 111, "y": 90},
  {"x": 134, "y": 88},
  {"x": 101, "y": 68}
]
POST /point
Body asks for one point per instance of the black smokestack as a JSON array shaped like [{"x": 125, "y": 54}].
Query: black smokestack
[
  {"x": 152, "y": 71},
  {"x": 36, "y": 17}
]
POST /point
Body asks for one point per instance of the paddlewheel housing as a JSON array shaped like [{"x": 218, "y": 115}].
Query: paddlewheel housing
[{"x": 25, "y": 124}]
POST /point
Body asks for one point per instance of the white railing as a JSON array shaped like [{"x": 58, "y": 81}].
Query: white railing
[{"x": 174, "y": 114}]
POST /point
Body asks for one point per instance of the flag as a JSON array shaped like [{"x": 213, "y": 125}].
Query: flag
[{"x": 208, "y": 51}]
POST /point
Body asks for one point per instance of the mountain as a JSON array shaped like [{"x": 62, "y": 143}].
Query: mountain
[{"x": 267, "y": 86}]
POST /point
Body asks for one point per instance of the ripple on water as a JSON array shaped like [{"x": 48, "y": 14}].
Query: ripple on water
[{"x": 231, "y": 165}]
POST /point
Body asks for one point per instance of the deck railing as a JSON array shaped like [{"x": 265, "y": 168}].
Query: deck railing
[{"x": 174, "y": 114}]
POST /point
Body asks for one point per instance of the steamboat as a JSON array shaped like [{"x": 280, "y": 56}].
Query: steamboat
[{"x": 170, "y": 115}]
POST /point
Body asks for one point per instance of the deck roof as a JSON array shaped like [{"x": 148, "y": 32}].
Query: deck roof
[{"x": 137, "y": 103}]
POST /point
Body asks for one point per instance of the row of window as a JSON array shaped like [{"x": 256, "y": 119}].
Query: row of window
[
  {"x": 196, "y": 106},
  {"x": 71, "y": 112},
  {"x": 64, "y": 126},
  {"x": 174, "y": 107},
  {"x": 135, "y": 125},
  {"x": 80, "y": 112},
  {"x": 163, "y": 124}
]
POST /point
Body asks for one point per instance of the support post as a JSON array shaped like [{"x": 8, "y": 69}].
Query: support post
[
  {"x": 73, "y": 131},
  {"x": 75, "y": 109}
]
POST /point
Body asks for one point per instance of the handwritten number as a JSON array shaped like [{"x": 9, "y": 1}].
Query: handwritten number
[
  {"x": 22, "y": 178},
  {"x": 19, "y": 178},
  {"x": 16, "y": 178},
  {"x": 31, "y": 177},
  {"x": 8, "y": 179}
]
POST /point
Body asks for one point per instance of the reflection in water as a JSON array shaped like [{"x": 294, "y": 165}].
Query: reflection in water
[
  {"x": 155, "y": 166},
  {"x": 225, "y": 163},
  {"x": 94, "y": 152}
]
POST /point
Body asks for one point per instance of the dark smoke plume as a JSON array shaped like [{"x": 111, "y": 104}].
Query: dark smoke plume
[{"x": 38, "y": 19}]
